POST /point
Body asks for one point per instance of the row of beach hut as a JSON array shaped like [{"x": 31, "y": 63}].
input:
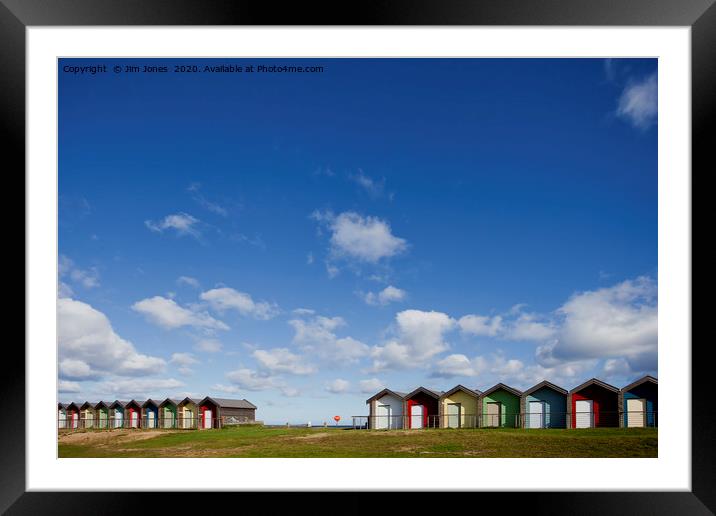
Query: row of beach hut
[
  {"x": 592, "y": 404},
  {"x": 189, "y": 413}
]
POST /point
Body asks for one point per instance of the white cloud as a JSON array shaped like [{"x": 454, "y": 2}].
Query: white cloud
[
  {"x": 68, "y": 387},
  {"x": 168, "y": 314},
  {"x": 317, "y": 335},
  {"x": 455, "y": 365},
  {"x": 251, "y": 380},
  {"x": 366, "y": 239},
  {"x": 282, "y": 360},
  {"x": 183, "y": 359},
  {"x": 371, "y": 385},
  {"x": 181, "y": 223},
  {"x": 64, "y": 290},
  {"x": 338, "y": 386},
  {"x": 88, "y": 278},
  {"x": 85, "y": 336},
  {"x": 420, "y": 336},
  {"x": 188, "y": 280},
  {"x": 138, "y": 388},
  {"x": 388, "y": 295},
  {"x": 208, "y": 345},
  {"x": 309, "y": 259},
  {"x": 371, "y": 186},
  {"x": 529, "y": 327},
  {"x": 77, "y": 369},
  {"x": 639, "y": 102},
  {"x": 225, "y": 298},
  {"x": 303, "y": 311},
  {"x": 618, "y": 321},
  {"x": 481, "y": 325}
]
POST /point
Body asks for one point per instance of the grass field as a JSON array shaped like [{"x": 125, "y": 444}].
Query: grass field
[{"x": 257, "y": 441}]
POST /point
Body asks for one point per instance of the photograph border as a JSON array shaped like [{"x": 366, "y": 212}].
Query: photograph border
[{"x": 700, "y": 15}]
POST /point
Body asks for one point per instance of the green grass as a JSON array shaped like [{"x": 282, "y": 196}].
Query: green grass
[{"x": 257, "y": 441}]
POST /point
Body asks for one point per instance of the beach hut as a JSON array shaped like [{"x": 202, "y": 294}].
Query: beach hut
[
  {"x": 500, "y": 406},
  {"x": 187, "y": 413},
  {"x": 638, "y": 402},
  {"x": 593, "y": 404},
  {"x": 168, "y": 413},
  {"x": 459, "y": 408},
  {"x": 218, "y": 412},
  {"x": 386, "y": 410},
  {"x": 101, "y": 411},
  {"x": 62, "y": 415},
  {"x": 87, "y": 415},
  {"x": 133, "y": 414},
  {"x": 150, "y": 414},
  {"x": 72, "y": 411},
  {"x": 116, "y": 414},
  {"x": 422, "y": 408},
  {"x": 544, "y": 406}
]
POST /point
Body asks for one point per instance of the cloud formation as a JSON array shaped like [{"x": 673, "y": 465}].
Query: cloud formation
[
  {"x": 389, "y": 294},
  {"x": 181, "y": 223},
  {"x": 317, "y": 335},
  {"x": 282, "y": 360},
  {"x": 638, "y": 103},
  {"x": 225, "y": 298},
  {"x": 338, "y": 386},
  {"x": 420, "y": 336},
  {"x": 168, "y": 314},
  {"x": 365, "y": 239},
  {"x": 89, "y": 348}
]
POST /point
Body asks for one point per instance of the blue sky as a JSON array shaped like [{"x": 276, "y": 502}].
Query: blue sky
[{"x": 302, "y": 240}]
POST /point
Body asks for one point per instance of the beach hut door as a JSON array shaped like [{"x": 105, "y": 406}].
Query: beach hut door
[
  {"x": 118, "y": 418},
  {"x": 134, "y": 417},
  {"x": 493, "y": 414},
  {"x": 150, "y": 419},
  {"x": 635, "y": 413},
  {"x": 416, "y": 419},
  {"x": 583, "y": 410},
  {"x": 454, "y": 410},
  {"x": 63, "y": 418},
  {"x": 207, "y": 419},
  {"x": 536, "y": 414}
]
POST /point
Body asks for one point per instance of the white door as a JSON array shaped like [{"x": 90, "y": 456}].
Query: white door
[
  {"x": 416, "y": 416},
  {"x": 635, "y": 413},
  {"x": 118, "y": 417},
  {"x": 168, "y": 416},
  {"x": 188, "y": 419},
  {"x": 150, "y": 419},
  {"x": 75, "y": 419},
  {"x": 207, "y": 419},
  {"x": 453, "y": 415},
  {"x": 583, "y": 412},
  {"x": 62, "y": 419},
  {"x": 383, "y": 417},
  {"x": 134, "y": 420},
  {"x": 493, "y": 414},
  {"x": 536, "y": 416}
]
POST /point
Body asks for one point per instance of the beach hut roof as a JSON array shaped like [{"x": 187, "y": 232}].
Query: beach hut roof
[
  {"x": 645, "y": 379},
  {"x": 101, "y": 404},
  {"x": 594, "y": 381},
  {"x": 504, "y": 387},
  {"x": 473, "y": 392},
  {"x": 382, "y": 393},
  {"x": 542, "y": 384},
  {"x": 430, "y": 392},
  {"x": 229, "y": 403}
]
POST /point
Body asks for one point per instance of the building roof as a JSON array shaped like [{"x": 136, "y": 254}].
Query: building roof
[
  {"x": 594, "y": 381},
  {"x": 430, "y": 392},
  {"x": 382, "y": 393},
  {"x": 546, "y": 384},
  {"x": 195, "y": 401},
  {"x": 229, "y": 403},
  {"x": 87, "y": 404},
  {"x": 472, "y": 392},
  {"x": 117, "y": 403},
  {"x": 170, "y": 400},
  {"x": 502, "y": 386},
  {"x": 133, "y": 402},
  {"x": 101, "y": 404},
  {"x": 645, "y": 379},
  {"x": 150, "y": 401}
]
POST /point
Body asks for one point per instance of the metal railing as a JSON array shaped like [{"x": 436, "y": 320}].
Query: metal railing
[
  {"x": 144, "y": 423},
  {"x": 547, "y": 419}
]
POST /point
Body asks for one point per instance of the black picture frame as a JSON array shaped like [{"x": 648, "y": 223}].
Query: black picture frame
[{"x": 700, "y": 15}]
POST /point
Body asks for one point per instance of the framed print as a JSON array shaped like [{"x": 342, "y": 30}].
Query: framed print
[{"x": 424, "y": 248}]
